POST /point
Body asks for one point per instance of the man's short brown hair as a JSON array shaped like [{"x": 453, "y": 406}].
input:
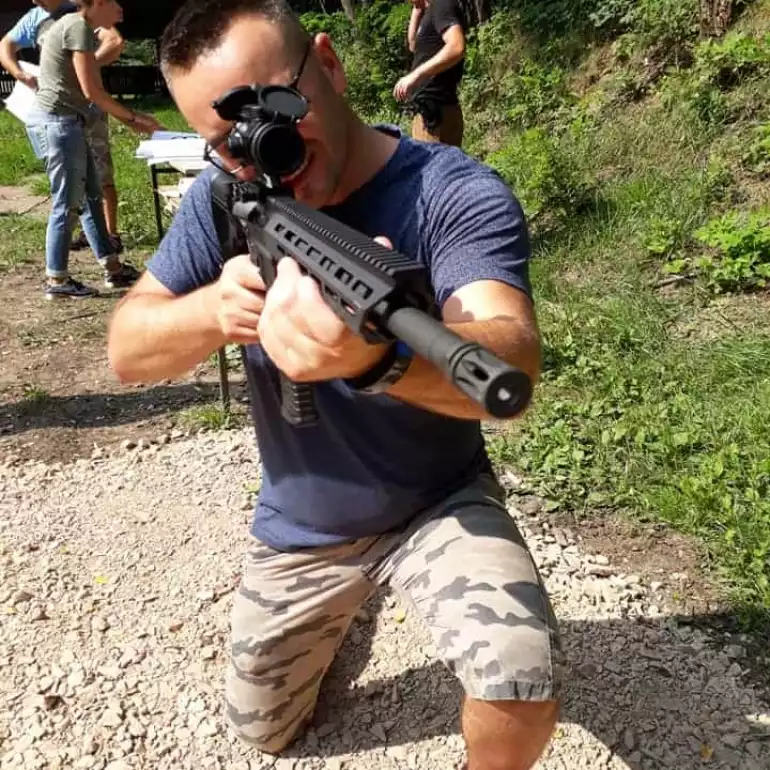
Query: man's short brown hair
[{"x": 199, "y": 26}]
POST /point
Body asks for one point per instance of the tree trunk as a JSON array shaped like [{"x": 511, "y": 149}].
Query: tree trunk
[
  {"x": 476, "y": 11},
  {"x": 347, "y": 6},
  {"x": 715, "y": 16},
  {"x": 483, "y": 11}
]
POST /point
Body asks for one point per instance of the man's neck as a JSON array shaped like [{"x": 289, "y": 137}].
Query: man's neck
[{"x": 369, "y": 150}]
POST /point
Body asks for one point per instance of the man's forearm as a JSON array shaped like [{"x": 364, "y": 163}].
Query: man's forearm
[
  {"x": 154, "y": 338},
  {"x": 447, "y": 57},
  {"x": 9, "y": 58},
  {"x": 414, "y": 25},
  {"x": 108, "y": 54},
  {"x": 110, "y": 48},
  {"x": 425, "y": 386}
]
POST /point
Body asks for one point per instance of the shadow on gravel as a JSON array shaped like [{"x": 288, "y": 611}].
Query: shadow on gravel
[
  {"x": 654, "y": 692},
  {"x": 99, "y": 410}
]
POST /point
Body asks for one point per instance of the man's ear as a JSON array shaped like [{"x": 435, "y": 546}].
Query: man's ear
[{"x": 330, "y": 62}]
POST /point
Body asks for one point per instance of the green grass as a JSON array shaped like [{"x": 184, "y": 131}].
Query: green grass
[
  {"x": 209, "y": 417},
  {"x": 17, "y": 161},
  {"x": 34, "y": 394},
  {"x": 22, "y": 240}
]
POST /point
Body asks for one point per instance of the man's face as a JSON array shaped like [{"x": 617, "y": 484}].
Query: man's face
[
  {"x": 254, "y": 51},
  {"x": 107, "y": 13}
]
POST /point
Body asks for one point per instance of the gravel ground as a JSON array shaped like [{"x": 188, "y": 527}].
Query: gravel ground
[{"x": 116, "y": 577}]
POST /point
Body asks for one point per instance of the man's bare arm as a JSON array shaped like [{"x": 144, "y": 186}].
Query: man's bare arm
[
  {"x": 9, "y": 58},
  {"x": 414, "y": 25},
  {"x": 111, "y": 46},
  {"x": 493, "y": 314},
  {"x": 156, "y": 335},
  {"x": 450, "y": 54}
]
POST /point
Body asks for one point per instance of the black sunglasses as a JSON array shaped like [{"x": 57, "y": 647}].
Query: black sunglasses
[{"x": 208, "y": 150}]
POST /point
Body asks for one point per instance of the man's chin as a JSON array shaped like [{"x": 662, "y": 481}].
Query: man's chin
[
  {"x": 312, "y": 185},
  {"x": 309, "y": 197}
]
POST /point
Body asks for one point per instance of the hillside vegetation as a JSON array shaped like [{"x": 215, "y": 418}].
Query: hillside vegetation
[{"x": 640, "y": 150}]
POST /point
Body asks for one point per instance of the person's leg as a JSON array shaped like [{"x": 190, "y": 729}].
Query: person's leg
[
  {"x": 92, "y": 216},
  {"x": 420, "y": 130},
  {"x": 117, "y": 275},
  {"x": 450, "y": 130},
  {"x": 58, "y": 140},
  {"x": 470, "y": 576},
  {"x": 52, "y": 139},
  {"x": 98, "y": 136},
  {"x": 507, "y": 735},
  {"x": 446, "y": 127},
  {"x": 289, "y": 617}
]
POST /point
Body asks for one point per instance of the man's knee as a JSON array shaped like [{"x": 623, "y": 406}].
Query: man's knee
[
  {"x": 539, "y": 716},
  {"x": 512, "y": 716},
  {"x": 262, "y": 711},
  {"x": 105, "y": 172},
  {"x": 509, "y": 735},
  {"x": 102, "y": 156}
]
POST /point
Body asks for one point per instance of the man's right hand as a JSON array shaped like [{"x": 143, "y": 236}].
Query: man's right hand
[
  {"x": 28, "y": 79},
  {"x": 241, "y": 297},
  {"x": 145, "y": 124}
]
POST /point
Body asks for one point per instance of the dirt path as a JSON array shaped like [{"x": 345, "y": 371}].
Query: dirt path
[
  {"x": 116, "y": 579},
  {"x": 59, "y": 399},
  {"x": 20, "y": 200}
]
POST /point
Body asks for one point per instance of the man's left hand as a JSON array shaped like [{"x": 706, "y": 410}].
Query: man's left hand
[
  {"x": 29, "y": 80},
  {"x": 404, "y": 86},
  {"x": 303, "y": 336}
]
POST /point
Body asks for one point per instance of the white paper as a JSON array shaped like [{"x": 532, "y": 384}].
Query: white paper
[
  {"x": 22, "y": 98},
  {"x": 183, "y": 151}
]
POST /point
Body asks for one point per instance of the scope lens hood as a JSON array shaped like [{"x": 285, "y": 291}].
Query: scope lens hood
[
  {"x": 282, "y": 102},
  {"x": 230, "y": 105}
]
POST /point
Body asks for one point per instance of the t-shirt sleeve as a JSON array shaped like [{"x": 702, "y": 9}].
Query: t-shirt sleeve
[
  {"x": 79, "y": 37},
  {"x": 189, "y": 256},
  {"x": 446, "y": 13},
  {"x": 478, "y": 232},
  {"x": 24, "y": 32}
]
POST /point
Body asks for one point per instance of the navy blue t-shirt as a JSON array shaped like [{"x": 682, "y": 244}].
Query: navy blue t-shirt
[{"x": 371, "y": 463}]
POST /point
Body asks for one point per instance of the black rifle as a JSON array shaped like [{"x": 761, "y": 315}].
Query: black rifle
[{"x": 379, "y": 293}]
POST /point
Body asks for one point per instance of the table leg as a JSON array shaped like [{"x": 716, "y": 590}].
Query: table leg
[
  {"x": 224, "y": 383},
  {"x": 156, "y": 200}
]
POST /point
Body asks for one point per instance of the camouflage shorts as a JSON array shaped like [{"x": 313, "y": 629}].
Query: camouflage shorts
[
  {"x": 462, "y": 565},
  {"x": 98, "y": 137}
]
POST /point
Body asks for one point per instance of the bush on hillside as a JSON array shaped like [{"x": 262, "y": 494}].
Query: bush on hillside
[
  {"x": 543, "y": 176},
  {"x": 739, "y": 251},
  {"x": 373, "y": 50}
]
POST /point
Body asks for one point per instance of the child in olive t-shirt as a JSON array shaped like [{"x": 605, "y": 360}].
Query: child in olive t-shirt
[
  {"x": 56, "y": 130},
  {"x": 59, "y": 90}
]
